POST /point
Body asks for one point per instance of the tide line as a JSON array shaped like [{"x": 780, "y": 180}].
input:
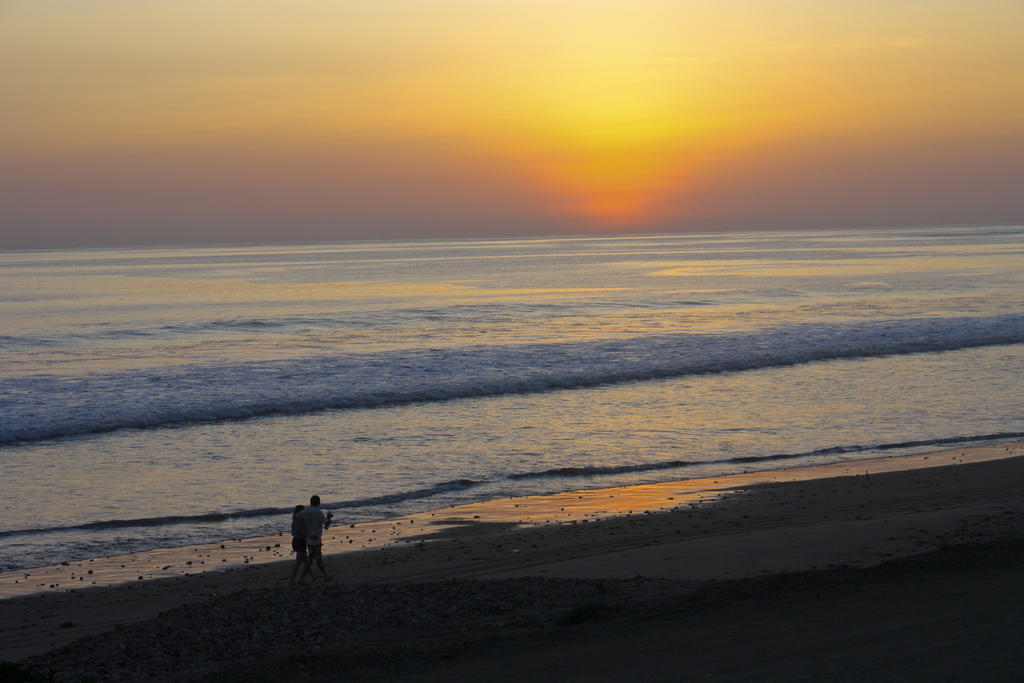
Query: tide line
[{"x": 572, "y": 507}]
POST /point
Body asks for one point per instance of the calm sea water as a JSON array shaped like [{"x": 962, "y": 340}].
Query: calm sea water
[{"x": 158, "y": 397}]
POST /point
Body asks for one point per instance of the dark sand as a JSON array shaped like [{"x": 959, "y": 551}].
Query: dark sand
[{"x": 953, "y": 611}]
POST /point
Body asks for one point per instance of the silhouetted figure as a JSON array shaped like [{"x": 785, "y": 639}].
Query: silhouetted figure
[
  {"x": 315, "y": 523},
  {"x": 298, "y": 543}
]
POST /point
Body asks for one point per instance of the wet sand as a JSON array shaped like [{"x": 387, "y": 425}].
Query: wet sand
[{"x": 855, "y": 514}]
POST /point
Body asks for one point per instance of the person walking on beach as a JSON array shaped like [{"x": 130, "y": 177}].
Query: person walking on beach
[
  {"x": 315, "y": 523},
  {"x": 298, "y": 543}
]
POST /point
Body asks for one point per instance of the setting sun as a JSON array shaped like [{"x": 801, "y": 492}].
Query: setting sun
[{"x": 523, "y": 117}]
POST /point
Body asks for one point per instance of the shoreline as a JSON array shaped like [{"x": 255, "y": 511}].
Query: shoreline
[
  {"x": 856, "y": 513},
  {"x": 571, "y": 507}
]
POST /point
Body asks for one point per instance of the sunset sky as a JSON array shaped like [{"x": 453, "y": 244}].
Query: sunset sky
[{"x": 129, "y": 122}]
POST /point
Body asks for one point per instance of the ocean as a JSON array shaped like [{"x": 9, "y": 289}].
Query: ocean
[{"x": 157, "y": 397}]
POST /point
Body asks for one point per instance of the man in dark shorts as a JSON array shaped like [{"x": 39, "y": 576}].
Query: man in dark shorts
[
  {"x": 315, "y": 522},
  {"x": 298, "y": 542}
]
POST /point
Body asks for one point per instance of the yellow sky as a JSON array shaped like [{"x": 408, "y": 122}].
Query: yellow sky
[{"x": 593, "y": 115}]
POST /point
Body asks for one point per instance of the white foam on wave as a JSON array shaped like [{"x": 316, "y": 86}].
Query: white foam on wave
[{"x": 49, "y": 406}]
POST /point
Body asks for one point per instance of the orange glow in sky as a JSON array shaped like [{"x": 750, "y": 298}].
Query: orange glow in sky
[{"x": 263, "y": 120}]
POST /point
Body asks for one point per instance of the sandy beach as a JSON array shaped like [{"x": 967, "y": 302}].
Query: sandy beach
[{"x": 638, "y": 547}]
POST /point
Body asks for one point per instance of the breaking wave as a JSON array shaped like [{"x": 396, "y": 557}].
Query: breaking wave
[{"x": 50, "y": 406}]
